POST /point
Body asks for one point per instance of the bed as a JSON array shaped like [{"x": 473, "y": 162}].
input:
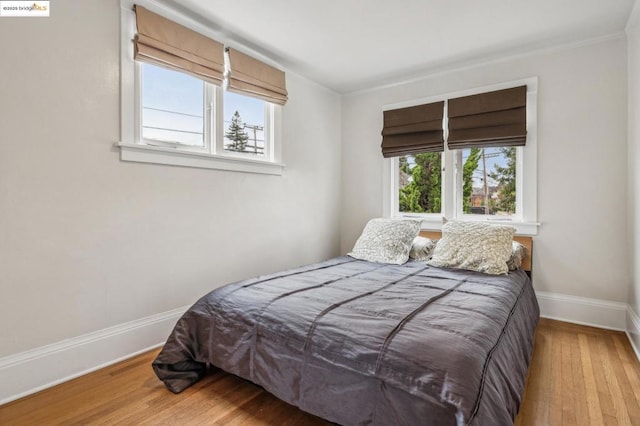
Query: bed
[{"x": 358, "y": 342}]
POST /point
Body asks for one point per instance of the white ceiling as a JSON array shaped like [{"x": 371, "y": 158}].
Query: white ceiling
[{"x": 349, "y": 45}]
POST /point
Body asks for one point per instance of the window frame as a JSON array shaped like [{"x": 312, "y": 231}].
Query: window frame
[
  {"x": 209, "y": 104},
  {"x": 213, "y": 155},
  {"x": 517, "y": 216},
  {"x": 269, "y": 113},
  {"x": 525, "y": 217}
]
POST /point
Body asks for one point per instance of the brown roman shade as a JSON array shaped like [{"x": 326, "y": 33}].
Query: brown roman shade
[
  {"x": 488, "y": 119},
  {"x": 413, "y": 130},
  {"x": 162, "y": 42},
  {"x": 249, "y": 76}
]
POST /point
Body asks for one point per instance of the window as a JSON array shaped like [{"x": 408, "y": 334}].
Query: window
[
  {"x": 245, "y": 122},
  {"x": 173, "y": 117},
  {"x": 495, "y": 184},
  {"x": 420, "y": 183},
  {"x": 488, "y": 181},
  {"x": 173, "y": 106},
  {"x": 178, "y": 111}
]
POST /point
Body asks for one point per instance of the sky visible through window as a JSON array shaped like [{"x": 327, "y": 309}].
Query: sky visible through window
[{"x": 173, "y": 108}]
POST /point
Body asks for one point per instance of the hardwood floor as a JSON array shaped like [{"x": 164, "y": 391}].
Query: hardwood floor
[
  {"x": 578, "y": 376},
  {"x": 581, "y": 376}
]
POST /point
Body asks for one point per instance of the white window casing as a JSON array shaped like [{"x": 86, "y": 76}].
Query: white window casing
[
  {"x": 212, "y": 155},
  {"x": 525, "y": 217}
]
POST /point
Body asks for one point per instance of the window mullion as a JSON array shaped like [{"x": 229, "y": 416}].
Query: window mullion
[
  {"x": 218, "y": 122},
  {"x": 519, "y": 183},
  {"x": 447, "y": 168},
  {"x": 395, "y": 187},
  {"x": 137, "y": 108},
  {"x": 209, "y": 117},
  {"x": 449, "y": 184},
  {"x": 268, "y": 146}
]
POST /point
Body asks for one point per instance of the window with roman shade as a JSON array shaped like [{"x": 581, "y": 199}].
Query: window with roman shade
[
  {"x": 162, "y": 42},
  {"x": 492, "y": 119},
  {"x": 488, "y": 170},
  {"x": 172, "y": 97},
  {"x": 413, "y": 130},
  {"x": 251, "y": 77}
]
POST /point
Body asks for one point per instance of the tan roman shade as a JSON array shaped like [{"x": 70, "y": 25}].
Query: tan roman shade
[
  {"x": 162, "y": 42},
  {"x": 250, "y": 77},
  {"x": 488, "y": 119},
  {"x": 413, "y": 130}
]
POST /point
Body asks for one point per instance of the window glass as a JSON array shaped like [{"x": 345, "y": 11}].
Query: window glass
[
  {"x": 489, "y": 181},
  {"x": 172, "y": 106},
  {"x": 244, "y": 124},
  {"x": 420, "y": 183}
]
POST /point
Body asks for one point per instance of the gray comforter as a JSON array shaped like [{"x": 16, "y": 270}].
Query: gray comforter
[{"x": 358, "y": 343}]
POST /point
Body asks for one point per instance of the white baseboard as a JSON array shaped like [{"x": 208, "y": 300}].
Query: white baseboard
[
  {"x": 583, "y": 310},
  {"x": 33, "y": 370},
  {"x": 633, "y": 330}
]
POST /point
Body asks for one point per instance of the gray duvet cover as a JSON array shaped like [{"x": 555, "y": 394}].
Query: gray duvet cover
[{"x": 362, "y": 343}]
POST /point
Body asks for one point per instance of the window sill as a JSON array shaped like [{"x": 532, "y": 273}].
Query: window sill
[
  {"x": 435, "y": 224},
  {"x": 170, "y": 156}
]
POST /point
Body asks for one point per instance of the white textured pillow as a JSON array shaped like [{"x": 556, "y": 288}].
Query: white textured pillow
[
  {"x": 386, "y": 241},
  {"x": 518, "y": 252},
  {"x": 421, "y": 248},
  {"x": 475, "y": 246}
]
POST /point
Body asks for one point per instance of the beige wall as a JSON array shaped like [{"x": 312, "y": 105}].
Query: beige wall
[
  {"x": 88, "y": 241},
  {"x": 582, "y": 147},
  {"x": 633, "y": 39}
]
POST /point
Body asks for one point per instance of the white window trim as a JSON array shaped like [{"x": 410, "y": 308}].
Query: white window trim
[
  {"x": 525, "y": 219},
  {"x": 132, "y": 148},
  {"x": 173, "y": 157}
]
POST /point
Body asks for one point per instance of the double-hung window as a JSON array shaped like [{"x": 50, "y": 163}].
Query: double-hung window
[
  {"x": 488, "y": 182},
  {"x": 181, "y": 112},
  {"x": 186, "y": 101},
  {"x": 175, "y": 109},
  {"x": 247, "y": 123}
]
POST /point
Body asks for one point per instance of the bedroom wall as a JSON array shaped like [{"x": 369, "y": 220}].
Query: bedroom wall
[
  {"x": 633, "y": 40},
  {"x": 580, "y": 249},
  {"x": 89, "y": 242}
]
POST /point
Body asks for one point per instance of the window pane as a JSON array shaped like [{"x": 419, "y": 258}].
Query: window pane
[
  {"x": 172, "y": 106},
  {"x": 244, "y": 123},
  {"x": 489, "y": 181},
  {"x": 420, "y": 183}
]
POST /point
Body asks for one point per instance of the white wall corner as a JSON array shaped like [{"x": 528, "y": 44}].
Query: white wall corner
[
  {"x": 34, "y": 370},
  {"x": 633, "y": 330},
  {"x": 582, "y": 310},
  {"x": 633, "y": 23}
]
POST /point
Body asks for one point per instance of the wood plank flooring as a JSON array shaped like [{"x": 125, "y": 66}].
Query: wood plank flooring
[
  {"x": 578, "y": 376},
  {"x": 581, "y": 376}
]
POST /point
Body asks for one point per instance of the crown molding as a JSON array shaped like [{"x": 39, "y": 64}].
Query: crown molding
[{"x": 505, "y": 56}]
